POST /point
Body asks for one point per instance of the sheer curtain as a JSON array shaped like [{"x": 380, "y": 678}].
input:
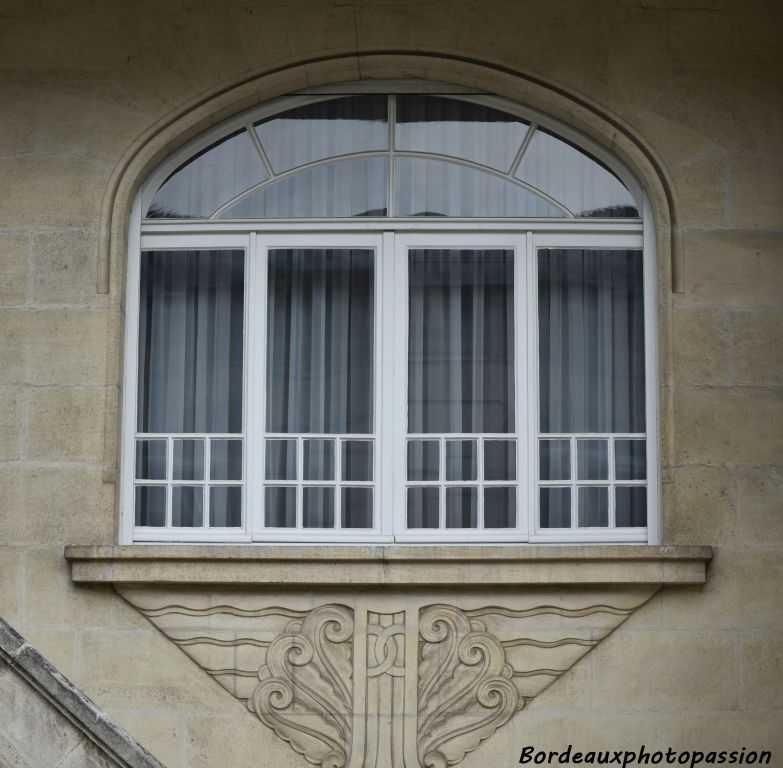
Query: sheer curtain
[
  {"x": 191, "y": 341},
  {"x": 320, "y": 357},
  {"x": 461, "y": 341},
  {"x": 591, "y": 340}
]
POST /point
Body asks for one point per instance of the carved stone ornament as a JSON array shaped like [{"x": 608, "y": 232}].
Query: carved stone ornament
[{"x": 391, "y": 682}]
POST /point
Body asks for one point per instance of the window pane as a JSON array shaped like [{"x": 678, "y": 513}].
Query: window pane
[
  {"x": 357, "y": 507},
  {"x": 318, "y": 460},
  {"x": 591, "y": 340},
  {"x": 191, "y": 341},
  {"x": 569, "y": 175},
  {"x": 423, "y": 460},
  {"x": 151, "y": 505},
  {"x": 554, "y": 459},
  {"x": 630, "y": 507},
  {"x": 225, "y": 506},
  {"x": 357, "y": 460},
  {"x": 592, "y": 459},
  {"x": 187, "y": 506},
  {"x": 280, "y": 460},
  {"x": 555, "y": 507},
  {"x": 280, "y": 507},
  {"x": 320, "y": 356},
  {"x": 461, "y": 460},
  {"x": 151, "y": 459},
  {"x": 439, "y": 188},
  {"x": 500, "y": 507},
  {"x": 461, "y": 341},
  {"x": 461, "y": 507},
  {"x": 593, "y": 507},
  {"x": 423, "y": 507},
  {"x": 342, "y": 189},
  {"x": 212, "y": 178},
  {"x": 225, "y": 459},
  {"x": 325, "y": 129},
  {"x": 458, "y": 128},
  {"x": 500, "y": 460},
  {"x": 188, "y": 460},
  {"x": 318, "y": 507},
  {"x": 630, "y": 459}
]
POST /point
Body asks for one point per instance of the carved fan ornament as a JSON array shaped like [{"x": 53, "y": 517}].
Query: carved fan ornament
[{"x": 340, "y": 683}]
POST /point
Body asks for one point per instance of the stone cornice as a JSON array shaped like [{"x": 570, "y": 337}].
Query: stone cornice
[{"x": 398, "y": 565}]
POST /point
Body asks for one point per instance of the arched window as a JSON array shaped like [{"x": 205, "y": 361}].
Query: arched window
[{"x": 390, "y": 317}]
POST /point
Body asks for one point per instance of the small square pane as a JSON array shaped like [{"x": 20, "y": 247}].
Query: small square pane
[
  {"x": 500, "y": 507},
  {"x": 461, "y": 460},
  {"x": 423, "y": 460},
  {"x": 356, "y": 460},
  {"x": 225, "y": 459},
  {"x": 318, "y": 460},
  {"x": 357, "y": 507},
  {"x": 188, "y": 460},
  {"x": 554, "y": 460},
  {"x": 280, "y": 460},
  {"x": 280, "y": 507},
  {"x": 593, "y": 507},
  {"x": 630, "y": 459},
  {"x": 461, "y": 507},
  {"x": 151, "y": 505},
  {"x": 423, "y": 507},
  {"x": 318, "y": 507},
  {"x": 500, "y": 460},
  {"x": 630, "y": 506},
  {"x": 555, "y": 507},
  {"x": 187, "y": 506},
  {"x": 592, "y": 459},
  {"x": 150, "y": 459},
  {"x": 225, "y": 506}
]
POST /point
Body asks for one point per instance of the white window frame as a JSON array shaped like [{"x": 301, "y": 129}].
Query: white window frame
[{"x": 390, "y": 237}]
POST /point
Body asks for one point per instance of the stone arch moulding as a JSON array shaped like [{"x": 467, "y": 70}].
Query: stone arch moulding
[{"x": 173, "y": 130}]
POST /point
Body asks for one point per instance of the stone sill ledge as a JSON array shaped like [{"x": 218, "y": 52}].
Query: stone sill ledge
[{"x": 398, "y": 565}]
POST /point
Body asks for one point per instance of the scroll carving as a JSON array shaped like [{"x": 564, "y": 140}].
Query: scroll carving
[{"x": 305, "y": 689}]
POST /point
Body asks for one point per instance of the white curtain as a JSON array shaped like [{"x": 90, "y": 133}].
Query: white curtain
[
  {"x": 461, "y": 341},
  {"x": 320, "y": 357},
  {"x": 591, "y": 341},
  {"x": 191, "y": 341}
]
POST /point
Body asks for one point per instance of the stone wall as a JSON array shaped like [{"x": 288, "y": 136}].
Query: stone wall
[{"x": 698, "y": 82}]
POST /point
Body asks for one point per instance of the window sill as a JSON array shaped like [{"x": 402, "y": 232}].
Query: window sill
[{"x": 398, "y": 565}]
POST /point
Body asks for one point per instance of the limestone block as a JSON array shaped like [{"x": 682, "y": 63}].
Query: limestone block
[
  {"x": 66, "y": 424},
  {"x": 741, "y": 426},
  {"x": 762, "y": 669},
  {"x": 11, "y": 581},
  {"x": 63, "y": 268},
  {"x": 51, "y": 190},
  {"x": 734, "y": 269},
  {"x": 665, "y": 670},
  {"x": 17, "y": 119},
  {"x": 717, "y": 731},
  {"x": 760, "y": 499},
  {"x": 701, "y": 192},
  {"x": 699, "y": 506},
  {"x": 742, "y": 591},
  {"x": 12, "y": 409},
  {"x": 156, "y": 727},
  {"x": 57, "y": 645},
  {"x": 756, "y": 191},
  {"x": 48, "y": 505},
  {"x": 701, "y": 347},
  {"x": 14, "y": 250},
  {"x": 758, "y": 345},
  {"x": 52, "y": 346}
]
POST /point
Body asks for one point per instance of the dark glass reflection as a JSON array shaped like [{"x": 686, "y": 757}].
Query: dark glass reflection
[
  {"x": 325, "y": 129},
  {"x": 457, "y": 128},
  {"x": 591, "y": 340}
]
